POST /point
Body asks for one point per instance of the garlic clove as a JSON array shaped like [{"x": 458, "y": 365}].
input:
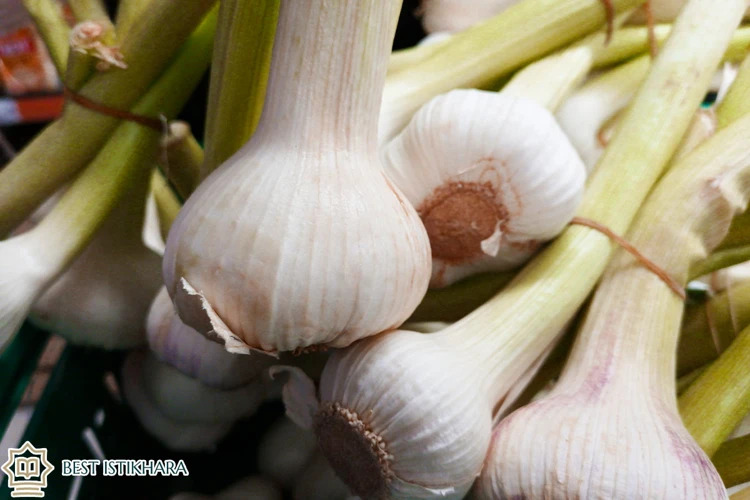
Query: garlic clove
[
  {"x": 181, "y": 347},
  {"x": 492, "y": 177},
  {"x": 299, "y": 239},
  {"x": 381, "y": 447},
  {"x": 175, "y": 434},
  {"x": 181, "y": 397}
]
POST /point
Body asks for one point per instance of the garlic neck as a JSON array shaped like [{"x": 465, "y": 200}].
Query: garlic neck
[{"x": 319, "y": 96}]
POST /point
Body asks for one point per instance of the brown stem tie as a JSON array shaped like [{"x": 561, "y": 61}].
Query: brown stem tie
[
  {"x": 146, "y": 121},
  {"x": 647, "y": 263},
  {"x": 609, "y": 9}
]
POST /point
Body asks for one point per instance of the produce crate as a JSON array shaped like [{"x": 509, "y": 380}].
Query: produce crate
[{"x": 81, "y": 401}]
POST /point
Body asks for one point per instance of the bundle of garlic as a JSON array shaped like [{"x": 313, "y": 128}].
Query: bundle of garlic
[
  {"x": 249, "y": 488},
  {"x": 296, "y": 267},
  {"x": 406, "y": 415},
  {"x": 568, "y": 444}
]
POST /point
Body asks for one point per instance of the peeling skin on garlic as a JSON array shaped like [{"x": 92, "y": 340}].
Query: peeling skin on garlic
[
  {"x": 299, "y": 239},
  {"x": 492, "y": 177}
]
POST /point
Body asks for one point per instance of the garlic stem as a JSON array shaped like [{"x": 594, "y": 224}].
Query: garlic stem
[
  {"x": 167, "y": 203},
  {"x": 238, "y": 76},
  {"x": 732, "y": 460},
  {"x": 743, "y": 494},
  {"x": 405, "y": 58},
  {"x": 739, "y": 233},
  {"x": 181, "y": 158},
  {"x": 735, "y": 102},
  {"x": 36, "y": 258},
  {"x": 53, "y": 28},
  {"x": 484, "y": 53},
  {"x": 306, "y": 198},
  {"x": 684, "y": 382},
  {"x": 459, "y": 299},
  {"x": 380, "y": 391},
  {"x": 549, "y": 80},
  {"x": 85, "y": 10},
  {"x": 128, "y": 13},
  {"x": 709, "y": 328},
  {"x": 721, "y": 259},
  {"x": 714, "y": 404},
  {"x": 618, "y": 385},
  {"x": 73, "y": 140}
]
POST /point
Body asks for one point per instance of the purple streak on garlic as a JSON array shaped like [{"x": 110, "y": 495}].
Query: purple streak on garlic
[
  {"x": 299, "y": 239},
  {"x": 492, "y": 177},
  {"x": 181, "y": 347}
]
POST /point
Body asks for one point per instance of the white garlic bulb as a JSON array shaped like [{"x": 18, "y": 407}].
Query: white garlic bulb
[
  {"x": 492, "y": 177},
  {"x": 175, "y": 434},
  {"x": 457, "y": 15},
  {"x": 191, "y": 353},
  {"x": 299, "y": 239},
  {"x": 104, "y": 297},
  {"x": 181, "y": 397}
]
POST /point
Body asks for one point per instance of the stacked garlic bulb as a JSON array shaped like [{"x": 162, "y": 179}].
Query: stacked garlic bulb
[
  {"x": 492, "y": 176},
  {"x": 299, "y": 239}
]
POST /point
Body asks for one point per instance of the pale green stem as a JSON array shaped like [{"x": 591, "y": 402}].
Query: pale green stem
[
  {"x": 721, "y": 259},
  {"x": 732, "y": 460},
  {"x": 53, "y": 28},
  {"x": 64, "y": 233},
  {"x": 167, "y": 204},
  {"x": 684, "y": 382},
  {"x": 67, "y": 145},
  {"x": 89, "y": 10},
  {"x": 128, "y": 13},
  {"x": 551, "y": 288},
  {"x": 242, "y": 61},
  {"x": 181, "y": 159},
  {"x": 737, "y": 101},
  {"x": 714, "y": 404},
  {"x": 481, "y": 55}
]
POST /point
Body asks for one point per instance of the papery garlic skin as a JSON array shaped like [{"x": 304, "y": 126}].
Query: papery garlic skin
[
  {"x": 492, "y": 177},
  {"x": 181, "y": 397},
  {"x": 362, "y": 393},
  {"x": 175, "y": 434},
  {"x": 299, "y": 239},
  {"x": 457, "y": 15},
  {"x": 181, "y": 347}
]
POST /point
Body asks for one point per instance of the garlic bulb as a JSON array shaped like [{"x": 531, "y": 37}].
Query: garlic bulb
[
  {"x": 299, "y": 239},
  {"x": 610, "y": 428},
  {"x": 175, "y": 434},
  {"x": 249, "y": 488},
  {"x": 191, "y": 353},
  {"x": 319, "y": 482},
  {"x": 181, "y": 397},
  {"x": 103, "y": 298},
  {"x": 457, "y": 15},
  {"x": 284, "y": 451},
  {"x": 492, "y": 177}
]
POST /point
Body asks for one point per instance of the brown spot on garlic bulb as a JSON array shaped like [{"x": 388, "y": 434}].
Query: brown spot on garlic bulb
[
  {"x": 491, "y": 175},
  {"x": 457, "y": 15},
  {"x": 299, "y": 239},
  {"x": 191, "y": 353}
]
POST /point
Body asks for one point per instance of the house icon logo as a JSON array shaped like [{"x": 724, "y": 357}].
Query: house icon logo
[{"x": 27, "y": 469}]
